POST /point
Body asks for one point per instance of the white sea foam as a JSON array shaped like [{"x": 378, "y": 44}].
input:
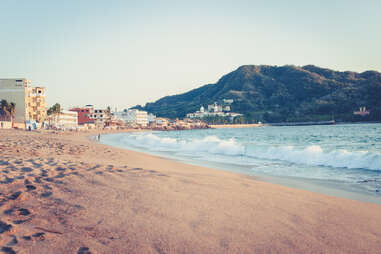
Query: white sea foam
[
  {"x": 312, "y": 155},
  {"x": 209, "y": 144},
  {"x": 316, "y": 156}
]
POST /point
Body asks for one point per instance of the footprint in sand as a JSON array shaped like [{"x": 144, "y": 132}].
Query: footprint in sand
[
  {"x": 27, "y": 238},
  {"x": 26, "y": 169},
  {"x": 39, "y": 236},
  {"x": 4, "y": 227},
  {"x": 14, "y": 195},
  {"x": 30, "y": 187},
  {"x": 13, "y": 241},
  {"x": 84, "y": 250},
  {"x": 8, "y": 250},
  {"x": 46, "y": 194}
]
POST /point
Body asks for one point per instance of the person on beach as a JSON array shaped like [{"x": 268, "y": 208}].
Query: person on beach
[{"x": 99, "y": 137}]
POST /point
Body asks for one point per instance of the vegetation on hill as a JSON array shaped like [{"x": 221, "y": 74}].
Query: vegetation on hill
[{"x": 283, "y": 94}]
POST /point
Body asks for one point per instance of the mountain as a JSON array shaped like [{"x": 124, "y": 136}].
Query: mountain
[{"x": 283, "y": 94}]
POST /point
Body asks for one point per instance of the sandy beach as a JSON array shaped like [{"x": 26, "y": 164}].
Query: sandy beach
[{"x": 63, "y": 193}]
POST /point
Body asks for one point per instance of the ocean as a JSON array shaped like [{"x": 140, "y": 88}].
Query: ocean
[{"x": 340, "y": 160}]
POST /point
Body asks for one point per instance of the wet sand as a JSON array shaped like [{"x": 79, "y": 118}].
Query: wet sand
[{"x": 66, "y": 194}]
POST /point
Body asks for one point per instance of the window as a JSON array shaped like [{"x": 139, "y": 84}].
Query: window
[
  {"x": 82, "y": 110},
  {"x": 101, "y": 116}
]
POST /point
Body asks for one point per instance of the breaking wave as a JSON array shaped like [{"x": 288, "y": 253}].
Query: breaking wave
[
  {"x": 311, "y": 155},
  {"x": 315, "y": 156},
  {"x": 209, "y": 144}
]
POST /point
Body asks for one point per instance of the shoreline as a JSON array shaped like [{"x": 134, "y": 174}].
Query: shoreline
[
  {"x": 69, "y": 193},
  {"x": 327, "y": 187},
  {"x": 220, "y": 126}
]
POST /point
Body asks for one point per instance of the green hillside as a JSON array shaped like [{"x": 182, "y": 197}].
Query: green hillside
[{"x": 283, "y": 94}]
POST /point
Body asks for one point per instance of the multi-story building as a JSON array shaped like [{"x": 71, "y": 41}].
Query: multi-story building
[
  {"x": 100, "y": 117},
  {"x": 30, "y": 101},
  {"x": 64, "y": 120},
  {"x": 134, "y": 116},
  {"x": 139, "y": 117},
  {"x": 84, "y": 114},
  {"x": 214, "y": 110},
  {"x": 14, "y": 90},
  {"x": 151, "y": 118},
  {"x": 36, "y": 105}
]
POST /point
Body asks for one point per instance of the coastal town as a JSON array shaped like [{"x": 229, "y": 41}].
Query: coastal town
[{"x": 23, "y": 106}]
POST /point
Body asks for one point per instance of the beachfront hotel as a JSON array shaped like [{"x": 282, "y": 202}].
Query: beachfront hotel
[
  {"x": 64, "y": 120},
  {"x": 30, "y": 101},
  {"x": 135, "y": 116}
]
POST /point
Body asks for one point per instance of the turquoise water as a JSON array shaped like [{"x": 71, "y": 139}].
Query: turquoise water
[{"x": 344, "y": 156}]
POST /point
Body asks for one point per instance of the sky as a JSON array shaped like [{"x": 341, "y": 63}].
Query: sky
[{"x": 121, "y": 53}]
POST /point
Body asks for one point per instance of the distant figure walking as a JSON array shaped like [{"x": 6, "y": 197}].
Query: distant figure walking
[{"x": 99, "y": 137}]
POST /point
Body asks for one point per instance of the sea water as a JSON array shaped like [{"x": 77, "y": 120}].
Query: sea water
[{"x": 342, "y": 157}]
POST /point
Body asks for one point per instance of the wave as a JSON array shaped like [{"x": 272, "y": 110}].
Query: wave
[
  {"x": 209, "y": 144},
  {"x": 311, "y": 155},
  {"x": 314, "y": 155}
]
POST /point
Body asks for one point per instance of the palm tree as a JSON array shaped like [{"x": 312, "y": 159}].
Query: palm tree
[
  {"x": 4, "y": 109},
  {"x": 4, "y": 105},
  {"x": 56, "y": 108},
  {"x": 12, "y": 110},
  {"x": 7, "y": 110}
]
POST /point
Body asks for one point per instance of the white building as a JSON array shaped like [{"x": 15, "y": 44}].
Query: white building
[
  {"x": 134, "y": 116},
  {"x": 99, "y": 116},
  {"x": 213, "y": 110},
  {"x": 64, "y": 120},
  {"x": 228, "y": 101},
  {"x": 151, "y": 118}
]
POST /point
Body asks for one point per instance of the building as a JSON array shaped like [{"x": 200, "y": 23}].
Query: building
[
  {"x": 228, "y": 101},
  {"x": 362, "y": 112},
  {"x": 151, "y": 118},
  {"x": 134, "y": 117},
  {"x": 100, "y": 117},
  {"x": 63, "y": 120},
  {"x": 30, "y": 101},
  {"x": 137, "y": 117},
  {"x": 84, "y": 114},
  {"x": 15, "y": 90},
  {"x": 214, "y": 110},
  {"x": 36, "y": 105},
  {"x": 161, "y": 122}
]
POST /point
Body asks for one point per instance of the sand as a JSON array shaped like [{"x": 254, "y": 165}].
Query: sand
[{"x": 67, "y": 194}]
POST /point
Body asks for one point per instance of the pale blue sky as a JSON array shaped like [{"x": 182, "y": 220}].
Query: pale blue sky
[{"x": 123, "y": 53}]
